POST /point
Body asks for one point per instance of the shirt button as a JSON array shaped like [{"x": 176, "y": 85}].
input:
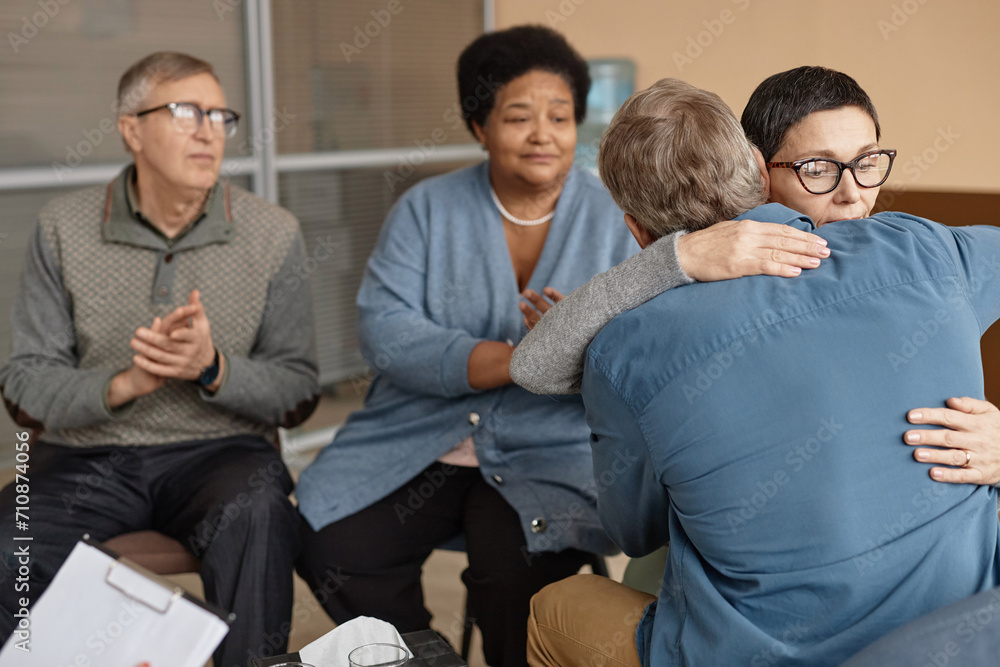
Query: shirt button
[
  {"x": 162, "y": 291},
  {"x": 498, "y": 479},
  {"x": 538, "y": 525},
  {"x": 474, "y": 418},
  {"x": 169, "y": 258}
]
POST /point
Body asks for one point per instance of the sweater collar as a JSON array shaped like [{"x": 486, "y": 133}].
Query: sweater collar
[{"x": 125, "y": 224}]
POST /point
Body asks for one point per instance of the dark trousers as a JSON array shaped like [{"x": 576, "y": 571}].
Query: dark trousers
[
  {"x": 370, "y": 562},
  {"x": 225, "y": 499}
]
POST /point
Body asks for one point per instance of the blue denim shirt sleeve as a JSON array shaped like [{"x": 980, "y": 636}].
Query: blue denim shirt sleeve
[
  {"x": 631, "y": 502},
  {"x": 976, "y": 254},
  {"x": 398, "y": 337}
]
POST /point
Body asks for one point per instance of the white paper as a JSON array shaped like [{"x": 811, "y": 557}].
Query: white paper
[
  {"x": 81, "y": 619},
  {"x": 332, "y": 649}
]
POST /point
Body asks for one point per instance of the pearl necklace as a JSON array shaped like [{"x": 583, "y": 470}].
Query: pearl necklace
[{"x": 517, "y": 221}]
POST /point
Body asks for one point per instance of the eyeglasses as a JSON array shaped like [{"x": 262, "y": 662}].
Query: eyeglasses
[
  {"x": 821, "y": 175},
  {"x": 188, "y": 116}
]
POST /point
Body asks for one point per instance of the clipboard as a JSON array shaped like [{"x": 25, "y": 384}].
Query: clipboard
[{"x": 101, "y": 609}]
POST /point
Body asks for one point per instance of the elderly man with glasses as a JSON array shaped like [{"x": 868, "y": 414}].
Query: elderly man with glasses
[{"x": 161, "y": 336}]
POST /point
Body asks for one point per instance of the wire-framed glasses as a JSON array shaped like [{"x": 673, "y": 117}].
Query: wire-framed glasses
[{"x": 188, "y": 117}]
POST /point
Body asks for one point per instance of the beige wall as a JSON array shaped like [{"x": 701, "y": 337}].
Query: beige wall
[{"x": 933, "y": 73}]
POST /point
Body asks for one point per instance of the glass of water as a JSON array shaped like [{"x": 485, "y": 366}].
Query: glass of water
[{"x": 378, "y": 655}]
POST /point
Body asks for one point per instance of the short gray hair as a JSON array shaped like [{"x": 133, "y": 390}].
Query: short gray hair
[
  {"x": 142, "y": 77},
  {"x": 675, "y": 158}
]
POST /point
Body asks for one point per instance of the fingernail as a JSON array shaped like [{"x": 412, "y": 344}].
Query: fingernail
[
  {"x": 796, "y": 270},
  {"x": 913, "y": 437},
  {"x": 922, "y": 456},
  {"x": 820, "y": 240},
  {"x": 813, "y": 261},
  {"x": 916, "y": 414},
  {"x": 825, "y": 252},
  {"x": 937, "y": 474}
]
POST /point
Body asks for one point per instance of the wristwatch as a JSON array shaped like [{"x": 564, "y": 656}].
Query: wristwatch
[{"x": 210, "y": 373}]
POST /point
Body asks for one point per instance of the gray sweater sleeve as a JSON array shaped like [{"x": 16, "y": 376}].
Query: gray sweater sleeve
[
  {"x": 41, "y": 383},
  {"x": 550, "y": 358}
]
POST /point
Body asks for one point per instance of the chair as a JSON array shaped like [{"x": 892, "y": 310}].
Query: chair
[
  {"x": 646, "y": 573},
  {"x": 155, "y": 551}
]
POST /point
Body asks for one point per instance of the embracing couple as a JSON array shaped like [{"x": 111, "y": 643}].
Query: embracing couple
[{"x": 851, "y": 539}]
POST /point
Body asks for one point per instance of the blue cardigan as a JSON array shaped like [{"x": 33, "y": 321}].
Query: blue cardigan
[{"x": 439, "y": 282}]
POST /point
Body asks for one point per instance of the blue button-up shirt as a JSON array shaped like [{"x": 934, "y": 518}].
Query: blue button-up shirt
[
  {"x": 439, "y": 282},
  {"x": 761, "y": 423}
]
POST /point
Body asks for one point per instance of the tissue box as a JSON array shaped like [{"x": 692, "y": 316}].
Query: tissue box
[{"x": 429, "y": 649}]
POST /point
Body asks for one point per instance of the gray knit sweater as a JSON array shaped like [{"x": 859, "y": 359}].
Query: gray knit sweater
[
  {"x": 96, "y": 271},
  {"x": 549, "y": 360}
]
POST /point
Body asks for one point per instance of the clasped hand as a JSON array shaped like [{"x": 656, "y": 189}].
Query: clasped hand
[
  {"x": 538, "y": 305},
  {"x": 176, "y": 346}
]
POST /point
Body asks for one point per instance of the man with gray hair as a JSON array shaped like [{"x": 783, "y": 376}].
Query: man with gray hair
[
  {"x": 754, "y": 424},
  {"x": 160, "y": 337}
]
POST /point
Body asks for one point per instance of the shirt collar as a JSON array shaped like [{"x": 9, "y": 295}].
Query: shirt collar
[{"x": 124, "y": 222}]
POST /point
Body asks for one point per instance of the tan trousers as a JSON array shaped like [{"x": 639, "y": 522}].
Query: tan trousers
[{"x": 585, "y": 620}]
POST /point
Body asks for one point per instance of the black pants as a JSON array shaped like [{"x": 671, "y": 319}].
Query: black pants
[
  {"x": 370, "y": 562},
  {"x": 225, "y": 499}
]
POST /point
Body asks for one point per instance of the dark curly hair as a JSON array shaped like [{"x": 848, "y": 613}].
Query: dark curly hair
[
  {"x": 783, "y": 99},
  {"x": 497, "y": 58}
]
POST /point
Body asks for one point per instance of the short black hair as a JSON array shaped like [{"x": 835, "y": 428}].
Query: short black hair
[
  {"x": 784, "y": 99},
  {"x": 497, "y": 58}
]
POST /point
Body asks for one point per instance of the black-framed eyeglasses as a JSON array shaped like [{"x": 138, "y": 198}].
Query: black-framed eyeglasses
[
  {"x": 822, "y": 175},
  {"x": 188, "y": 116}
]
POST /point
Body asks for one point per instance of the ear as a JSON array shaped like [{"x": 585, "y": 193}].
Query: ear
[
  {"x": 765, "y": 175},
  {"x": 480, "y": 132},
  {"x": 642, "y": 237},
  {"x": 128, "y": 128}
]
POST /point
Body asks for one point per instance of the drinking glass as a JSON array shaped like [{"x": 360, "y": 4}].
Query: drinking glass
[{"x": 378, "y": 655}]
